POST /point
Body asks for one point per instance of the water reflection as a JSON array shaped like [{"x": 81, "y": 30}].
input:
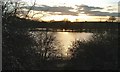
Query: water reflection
[{"x": 65, "y": 39}]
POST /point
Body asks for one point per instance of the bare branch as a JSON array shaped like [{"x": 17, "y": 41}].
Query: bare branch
[{"x": 30, "y": 9}]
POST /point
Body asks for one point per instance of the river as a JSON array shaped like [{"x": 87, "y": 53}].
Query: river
[{"x": 64, "y": 39}]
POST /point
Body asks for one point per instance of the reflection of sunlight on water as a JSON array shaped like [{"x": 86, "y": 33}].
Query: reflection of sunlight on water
[{"x": 66, "y": 39}]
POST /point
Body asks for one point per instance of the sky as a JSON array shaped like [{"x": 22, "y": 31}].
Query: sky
[{"x": 73, "y": 10}]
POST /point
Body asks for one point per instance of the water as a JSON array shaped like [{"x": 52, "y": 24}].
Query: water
[
  {"x": 52, "y": 50},
  {"x": 64, "y": 39},
  {"x": 90, "y": 50}
]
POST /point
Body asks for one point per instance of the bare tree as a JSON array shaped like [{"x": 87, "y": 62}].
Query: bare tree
[
  {"x": 12, "y": 8},
  {"x": 18, "y": 8},
  {"x": 66, "y": 20},
  {"x": 46, "y": 45}
]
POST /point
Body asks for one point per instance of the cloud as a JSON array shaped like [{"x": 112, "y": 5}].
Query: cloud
[
  {"x": 94, "y": 11},
  {"x": 87, "y": 8},
  {"x": 62, "y": 9},
  {"x": 99, "y": 13},
  {"x": 111, "y": 8}
]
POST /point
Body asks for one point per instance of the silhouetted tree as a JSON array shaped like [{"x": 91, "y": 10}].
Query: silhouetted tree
[
  {"x": 46, "y": 46},
  {"x": 20, "y": 50},
  {"x": 112, "y": 18},
  {"x": 66, "y": 20},
  {"x": 98, "y": 53}
]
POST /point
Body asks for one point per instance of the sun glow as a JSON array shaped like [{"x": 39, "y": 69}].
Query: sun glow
[
  {"x": 80, "y": 18},
  {"x": 45, "y": 16},
  {"x": 67, "y": 38},
  {"x": 39, "y": 15},
  {"x": 84, "y": 17},
  {"x": 70, "y": 18},
  {"x": 68, "y": 9}
]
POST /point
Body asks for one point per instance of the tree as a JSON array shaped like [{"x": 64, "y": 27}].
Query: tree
[
  {"x": 19, "y": 8},
  {"x": 112, "y": 18},
  {"x": 77, "y": 20},
  {"x": 66, "y": 20},
  {"x": 20, "y": 50},
  {"x": 98, "y": 53}
]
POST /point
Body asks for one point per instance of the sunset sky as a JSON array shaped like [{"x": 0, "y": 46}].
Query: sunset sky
[{"x": 74, "y": 10}]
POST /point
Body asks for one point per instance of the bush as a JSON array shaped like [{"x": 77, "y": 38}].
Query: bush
[{"x": 98, "y": 53}]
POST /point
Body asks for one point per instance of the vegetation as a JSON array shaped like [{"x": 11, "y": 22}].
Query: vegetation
[
  {"x": 100, "y": 53},
  {"x": 21, "y": 51},
  {"x": 112, "y": 18}
]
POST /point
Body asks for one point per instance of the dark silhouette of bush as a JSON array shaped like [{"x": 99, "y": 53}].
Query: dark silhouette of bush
[
  {"x": 21, "y": 51},
  {"x": 112, "y": 18},
  {"x": 100, "y": 53},
  {"x": 17, "y": 47}
]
